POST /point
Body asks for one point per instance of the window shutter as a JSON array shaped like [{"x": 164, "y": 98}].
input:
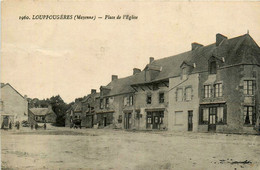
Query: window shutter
[
  {"x": 176, "y": 95},
  {"x": 200, "y": 115},
  {"x": 191, "y": 93},
  {"x": 184, "y": 94},
  {"x": 225, "y": 114}
]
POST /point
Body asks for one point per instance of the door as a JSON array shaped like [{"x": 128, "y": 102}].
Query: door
[
  {"x": 92, "y": 121},
  {"x": 5, "y": 121},
  {"x": 156, "y": 120},
  {"x": 190, "y": 123},
  {"x": 127, "y": 120},
  {"x": 212, "y": 119},
  {"x": 105, "y": 121}
]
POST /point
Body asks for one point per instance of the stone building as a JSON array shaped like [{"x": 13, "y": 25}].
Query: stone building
[
  {"x": 41, "y": 115},
  {"x": 89, "y": 107},
  {"x": 13, "y": 106},
  {"x": 208, "y": 88}
]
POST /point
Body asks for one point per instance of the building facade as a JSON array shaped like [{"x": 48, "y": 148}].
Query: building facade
[
  {"x": 14, "y": 107},
  {"x": 213, "y": 88}
]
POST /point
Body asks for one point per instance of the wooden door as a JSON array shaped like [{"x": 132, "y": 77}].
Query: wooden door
[
  {"x": 190, "y": 123},
  {"x": 156, "y": 120},
  {"x": 212, "y": 119}
]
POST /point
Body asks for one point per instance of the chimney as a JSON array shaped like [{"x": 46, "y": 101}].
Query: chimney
[
  {"x": 220, "y": 38},
  {"x": 195, "y": 46},
  {"x": 49, "y": 106},
  {"x": 93, "y": 91},
  {"x": 136, "y": 70},
  {"x": 151, "y": 60},
  {"x": 114, "y": 77}
]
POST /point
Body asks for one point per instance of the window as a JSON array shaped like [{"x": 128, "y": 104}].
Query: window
[
  {"x": 161, "y": 97},
  {"x": 149, "y": 99},
  {"x": 220, "y": 115},
  {"x": 161, "y": 117},
  {"x": 248, "y": 87},
  {"x": 248, "y": 115},
  {"x": 131, "y": 100},
  {"x": 101, "y": 104},
  {"x": 128, "y": 101},
  {"x": 107, "y": 102},
  {"x": 218, "y": 90},
  {"x": 184, "y": 73},
  {"x": 207, "y": 91},
  {"x": 149, "y": 120},
  {"x": 179, "y": 118},
  {"x": 188, "y": 93},
  {"x": 213, "y": 67},
  {"x": 179, "y": 95},
  {"x": 205, "y": 116}
]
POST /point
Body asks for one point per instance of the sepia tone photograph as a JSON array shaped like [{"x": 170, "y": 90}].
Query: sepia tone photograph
[{"x": 137, "y": 85}]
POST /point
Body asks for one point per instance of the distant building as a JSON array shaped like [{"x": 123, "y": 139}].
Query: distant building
[
  {"x": 42, "y": 115},
  {"x": 13, "y": 106}
]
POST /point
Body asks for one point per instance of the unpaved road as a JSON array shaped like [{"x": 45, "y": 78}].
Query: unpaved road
[{"x": 66, "y": 148}]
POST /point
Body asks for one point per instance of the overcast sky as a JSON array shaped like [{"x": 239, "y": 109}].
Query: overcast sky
[{"x": 42, "y": 58}]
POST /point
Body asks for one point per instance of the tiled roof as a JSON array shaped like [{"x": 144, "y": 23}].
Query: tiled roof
[
  {"x": 41, "y": 111},
  {"x": 238, "y": 50}
]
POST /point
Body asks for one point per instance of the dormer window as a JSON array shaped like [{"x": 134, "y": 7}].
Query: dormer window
[
  {"x": 213, "y": 67},
  {"x": 184, "y": 73}
]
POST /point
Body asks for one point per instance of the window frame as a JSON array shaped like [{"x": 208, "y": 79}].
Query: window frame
[
  {"x": 207, "y": 91},
  {"x": 149, "y": 99},
  {"x": 161, "y": 97},
  {"x": 211, "y": 70},
  {"x": 252, "y": 121},
  {"x": 218, "y": 90},
  {"x": 186, "y": 88},
  {"x": 177, "y": 95},
  {"x": 247, "y": 89}
]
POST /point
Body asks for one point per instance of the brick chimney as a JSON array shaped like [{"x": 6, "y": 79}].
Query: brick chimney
[
  {"x": 136, "y": 70},
  {"x": 151, "y": 59},
  {"x": 220, "y": 38},
  {"x": 195, "y": 45},
  {"x": 114, "y": 77},
  {"x": 93, "y": 91}
]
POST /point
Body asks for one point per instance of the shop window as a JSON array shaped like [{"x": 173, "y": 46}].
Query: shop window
[
  {"x": 218, "y": 90},
  {"x": 161, "y": 97},
  {"x": 179, "y": 94},
  {"x": 220, "y": 115},
  {"x": 149, "y": 99},
  {"x": 248, "y": 115},
  {"x": 248, "y": 87},
  {"x": 207, "y": 91},
  {"x": 204, "y": 116}
]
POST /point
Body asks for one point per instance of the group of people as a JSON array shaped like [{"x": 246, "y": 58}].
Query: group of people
[{"x": 36, "y": 126}]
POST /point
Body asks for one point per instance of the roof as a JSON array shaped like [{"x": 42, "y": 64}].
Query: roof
[
  {"x": 238, "y": 50},
  {"x": 41, "y": 111},
  {"x": 5, "y": 84}
]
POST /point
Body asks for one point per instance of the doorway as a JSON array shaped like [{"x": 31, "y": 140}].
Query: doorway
[
  {"x": 127, "y": 122},
  {"x": 212, "y": 119},
  {"x": 190, "y": 123}
]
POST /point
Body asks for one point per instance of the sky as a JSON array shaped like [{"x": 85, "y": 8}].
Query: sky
[{"x": 42, "y": 58}]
